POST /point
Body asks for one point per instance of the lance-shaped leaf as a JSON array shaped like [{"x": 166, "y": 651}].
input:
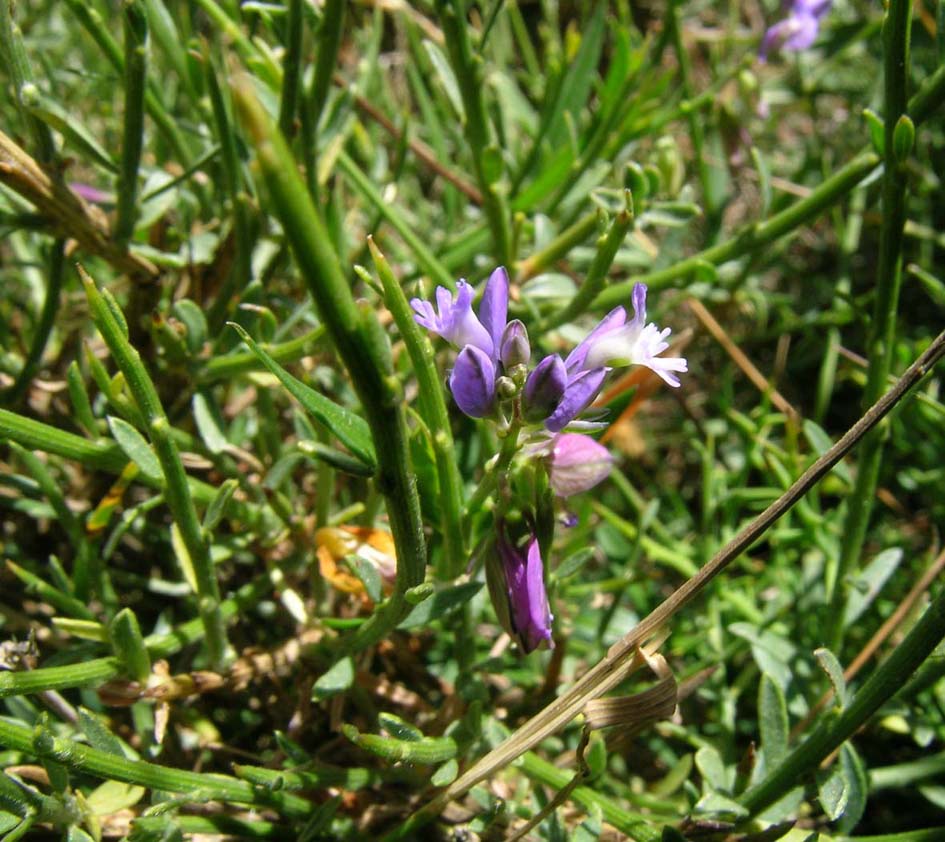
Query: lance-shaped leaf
[{"x": 350, "y": 429}]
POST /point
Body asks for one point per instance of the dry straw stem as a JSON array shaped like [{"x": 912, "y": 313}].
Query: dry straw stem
[
  {"x": 66, "y": 212},
  {"x": 741, "y": 359},
  {"x": 611, "y": 670}
]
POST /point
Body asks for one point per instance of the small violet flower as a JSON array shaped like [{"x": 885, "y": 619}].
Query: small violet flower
[
  {"x": 516, "y": 579},
  {"x": 480, "y": 339},
  {"x": 614, "y": 343},
  {"x": 797, "y": 31},
  {"x": 576, "y": 463}
]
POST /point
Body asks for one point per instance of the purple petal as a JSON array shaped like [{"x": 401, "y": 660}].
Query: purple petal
[
  {"x": 638, "y": 297},
  {"x": 513, "y": 346},
  {"x": 528, "y": 598},
  {"x": 454, "y": 319},
  {"x": 544, "y": 387},
  {"x": 577, "y": 464},
  {"x": 494, "y": 307},
  {"x": 612, "y": 321},
  {"x": 579, "y": 394},
  {"x": 472, "y": 382}
]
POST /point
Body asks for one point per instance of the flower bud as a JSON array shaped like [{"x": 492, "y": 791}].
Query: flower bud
[
  {"x": 516, "y": 578},
  {"x": 544, "y": 388},
  {"x": 514, "y": 348},
  {"x": 577, "y": 463},
  {"x": 473, "y": 382}
]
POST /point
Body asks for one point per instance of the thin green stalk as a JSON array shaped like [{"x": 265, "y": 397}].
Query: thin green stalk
[
  {"x": 363, "y": 348},
  {"x": 135, "y": 26},
  {"x": 95, "y": 672},
  {"x": 44, "y": 325},
  {"x": 635, "y": 825},
  {"x": 607, "y": 247},
  {"x": 923, "y": 105},
  {"x": 424, "y": 257},
  {"x": 486, "y": 159},
  {"x": 92, "y": 21},
  {"x": 232, "y": 365},
  {"x": 435, "y": 416},
  {"x": 240, "y": 275},
  {"x": 558, "y": 247},
  {"x": 834, "y": 729},
  {"x": 21, "y": 74},
  {"x": 177, "y": 490},
  {"x": 101, "y": 454},
  {"x": 754, "y": 236},
  {"x": 882, "y": 336},
  {"x": 696, "y": 132},
  {"x": 495, "y": 469},
  {"x": 291, "y": 69},
  {"x": 113, "y": 767}
]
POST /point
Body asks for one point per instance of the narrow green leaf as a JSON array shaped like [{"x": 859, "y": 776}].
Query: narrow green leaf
[
  {"x": 857, "y": 786},
  {"x": 128, "y": 644},
  {"x": 136, "y": 448},
  {"x": 218, "y": 504},
  {"x": 207, "y": 425},
  {"x": 446, "y": 774},
  {"x": 350, "y": 429},
  {"x": 772, "y": 721},
  {"x": 447, "y": 78},
  {"x": 439, "y": 605},
  {"x": 830, "y": 665},
  {"x": 98, "y": 735},
  {"x": 869, "y": 582},
  {"x": 338, "y": 679}
]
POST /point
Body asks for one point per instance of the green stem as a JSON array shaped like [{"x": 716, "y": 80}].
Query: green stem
[
  {"x": 21, "y": 74},
  {"x": 364, "y": 349},
  {"x": 91, "y": 20},
  {"x": 833, "y": 730},
  {"x": 924, "y": 104},
  {"x": 135, "y": 25},
  {"x": 557, "y": 248},
  {"x": 494, "y": 470},
  {"x": 177, "y": 491},
  {"x": 44, "y": 325},
  {"x": 635, "y": 825},
  {"x": 99, "y": 670},
  {"x": 435, "y": 416},
  {"x": 108, "y": 766},
  {"x": 478, "y": 129},
  {"x": 694, "y": 119},
  {"x": 424, "y": 257},
  {"x": 607, "y": 248},
  {"x": 239, "y": 277},
  {"x": 882, "y": 336},
  {"x": 329, "y": 43},
  {"x": 291, "y": 69}
]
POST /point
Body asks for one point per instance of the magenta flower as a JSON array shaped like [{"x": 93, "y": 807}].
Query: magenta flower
[
  {"x": 576, "y": 463},
  {"x": 516, "y": 579},
  {"x": 797, "y": 31}
]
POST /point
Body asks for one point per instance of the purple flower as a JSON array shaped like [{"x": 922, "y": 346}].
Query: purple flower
[
  {"x": 516, "y": 578},
  {"x": 614, "y": 342},
  {"x": 798, "y": 30},
  {"x": 455, "y": 321},
  {"x": 577, "y": 463},
  {"x": 544, "y": 388},
  {"x": 472, "y": 381}
]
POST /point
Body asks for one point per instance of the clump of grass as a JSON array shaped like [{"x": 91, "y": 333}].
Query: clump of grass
[{"x": 245, "y": 523}]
